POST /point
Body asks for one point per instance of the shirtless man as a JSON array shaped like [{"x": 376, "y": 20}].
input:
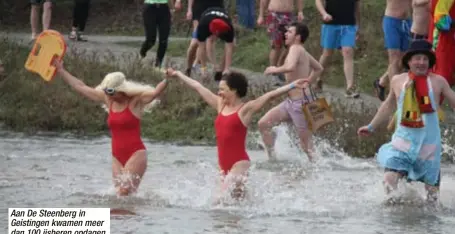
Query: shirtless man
[
  {"x": 396, "y": 25},
  {"x": 421, "y": 16},
  {"x": 298, "y": 64},
  {"x": 280, "y": 15},
  {"x": 34, "y": 15},
  {"x": 415, "y": 149}
]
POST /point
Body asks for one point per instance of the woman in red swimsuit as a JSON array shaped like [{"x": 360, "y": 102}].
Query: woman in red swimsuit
[
  {"x": 231, "y": 123},
  {"x": 125, "y": 102}
]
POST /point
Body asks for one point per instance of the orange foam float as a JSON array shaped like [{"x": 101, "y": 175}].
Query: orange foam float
[{"x": 49, "y": 45}]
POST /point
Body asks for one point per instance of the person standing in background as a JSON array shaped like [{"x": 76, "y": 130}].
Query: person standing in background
[
  {"x": 280, "y": 15},
  {"x": 194, "y": 12},
  {"x": 246, "y": 12},
  {"x": 80, "y": 15},
  {"x": 339, "y": 31},
  {"x": 34, "y": 15},
  {"x": 157, "y": 18},
  {"x": 396, "y": 25}
]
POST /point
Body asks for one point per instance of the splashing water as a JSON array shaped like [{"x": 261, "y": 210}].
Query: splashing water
[{"x": 337, "y": 194}]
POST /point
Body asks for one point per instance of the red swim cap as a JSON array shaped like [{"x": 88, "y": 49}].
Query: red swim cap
[{"x": 218, "y": 26}]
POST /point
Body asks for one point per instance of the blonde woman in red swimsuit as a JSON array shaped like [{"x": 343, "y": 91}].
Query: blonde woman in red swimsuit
[
  {"x": 125, "y": 102},
  {"x": 231, "y": 123}
]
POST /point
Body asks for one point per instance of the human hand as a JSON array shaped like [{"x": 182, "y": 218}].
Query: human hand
[
  {"x": 58, "y": 64},
  {"x": 178, "y": 5},
  {"x": 189, "y": 15},
  {"x": 327, "y": 17},
  {"x": 270, "y": 70},
  {"x": 300, "y": 16},
  {"x": 364, "y": 131},
  {"x": 260, "y": 20},
  {"x": 301, "y": 83},
  {"x": 171, "y": 72}
]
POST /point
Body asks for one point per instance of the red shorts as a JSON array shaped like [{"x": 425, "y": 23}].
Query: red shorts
[{"x": 276, "y": 27}]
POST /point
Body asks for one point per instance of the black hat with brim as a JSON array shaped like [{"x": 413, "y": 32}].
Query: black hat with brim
[{"x": 419, "y": 47}]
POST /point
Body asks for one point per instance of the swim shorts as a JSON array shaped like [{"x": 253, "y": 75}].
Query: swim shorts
[
  {"x": 397, "y": 33},
  {"x": 293, "y": 108},
  {"x": 415, "y": 36},
  {"x": 338, "y": 36},
  {"x": 276, "y": 27}
]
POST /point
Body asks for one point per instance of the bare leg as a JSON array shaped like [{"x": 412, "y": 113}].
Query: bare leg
[
  {"x": 274, "y": 56},
  {"x": 191, "y": 52},
  {"x": 134, "y": 168},
  {"x": 392, "y": 70},
  {"x": 348, "y": 57},
  {"x": 272, "y": 118},
  {"x": 306, "y": 142},
  {"x": 432, "y": 193},
  {"x": 236, "y": 178},
  {"x": 210, "y": 48},
  {"x": 391, "y": 181},
  {"x": 47, "y": 15},
  {"x": 34, "y": 19},
  {"x": 324, "y": 61}
]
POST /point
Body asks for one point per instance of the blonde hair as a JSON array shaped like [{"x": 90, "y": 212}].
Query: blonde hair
[{"x": 118, "y": 81}]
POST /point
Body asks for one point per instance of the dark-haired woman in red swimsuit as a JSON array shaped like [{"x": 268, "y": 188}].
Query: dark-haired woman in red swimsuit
[
  {"x": 232, "y": 121},
  {"x": 125, "y": 101}
]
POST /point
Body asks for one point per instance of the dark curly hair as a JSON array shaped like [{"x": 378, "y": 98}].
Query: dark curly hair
[{"x": 236, "y": 81}]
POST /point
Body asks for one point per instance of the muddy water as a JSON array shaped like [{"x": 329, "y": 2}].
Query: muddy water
[{"x": 337, "y": 195}]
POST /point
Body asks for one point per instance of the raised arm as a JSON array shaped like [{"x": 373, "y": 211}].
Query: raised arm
[
  {"x": 254, "y": 106},
  {"x": 78, "y": 85},
  {"x": 149, "y": 96},
  {"x": 209, "y": 97}
]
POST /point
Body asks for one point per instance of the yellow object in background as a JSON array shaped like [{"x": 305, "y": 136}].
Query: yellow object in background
[{"x": 49, "y": 45}]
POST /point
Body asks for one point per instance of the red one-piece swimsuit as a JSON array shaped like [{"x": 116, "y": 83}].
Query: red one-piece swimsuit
[
  {"x": 230, "y": 140},
  {"x": 125, "y": 130}
]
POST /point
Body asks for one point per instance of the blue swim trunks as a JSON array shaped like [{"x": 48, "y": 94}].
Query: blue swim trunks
[
  {"x": 397, "y": 33},
  {"x": 194, "y": 34},
  {"x": 338, "y": 36}
]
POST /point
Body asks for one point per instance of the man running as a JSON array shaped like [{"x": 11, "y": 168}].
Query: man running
[
  {"x": 280, "y": 15},
  {"x": 34, "y": 15},
  {"x": 298, "y": 64},
  {"x": 215, "y": 21},
  {"x": 339, "y": 31},
  {"x": 396, "y": 26},
  {"x": 194, "y": 12},
  {"x": 415, "y": 149}
]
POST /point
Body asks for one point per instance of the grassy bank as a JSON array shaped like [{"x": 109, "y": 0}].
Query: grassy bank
[{"x": 370, "y": 55}]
